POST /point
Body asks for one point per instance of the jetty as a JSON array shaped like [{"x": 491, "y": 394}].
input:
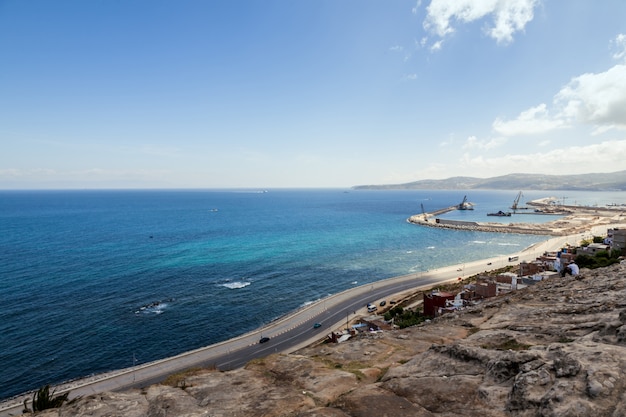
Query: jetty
[{"x": 575, "y": 219}]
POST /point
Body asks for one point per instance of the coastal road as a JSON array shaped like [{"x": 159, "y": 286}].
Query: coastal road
[{"x": 289, "y": 333}]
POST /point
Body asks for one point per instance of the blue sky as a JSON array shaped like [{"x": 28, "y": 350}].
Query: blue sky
[{"x": 324, "y": 93}]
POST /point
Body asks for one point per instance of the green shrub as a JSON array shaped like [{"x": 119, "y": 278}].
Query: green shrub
[
  {"x": 44, "y": 399},
  {"x": 404, "y": 318},
  {"x": 600, "y": 259}
]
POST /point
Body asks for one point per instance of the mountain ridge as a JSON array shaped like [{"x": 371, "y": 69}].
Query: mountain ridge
[{"x": 613, "y": 181}]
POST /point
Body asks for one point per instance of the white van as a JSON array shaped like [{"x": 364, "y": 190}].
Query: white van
[{"x": 371, "y": 308}]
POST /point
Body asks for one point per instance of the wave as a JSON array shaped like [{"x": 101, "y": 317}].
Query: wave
[
  {"x": 236, "y": 285},
  {"x": 155, "y": 307},
  {"x": 508, "y": 244},
  {"x": 430, "y": 247},
  {"x": 479, "y": 241}
]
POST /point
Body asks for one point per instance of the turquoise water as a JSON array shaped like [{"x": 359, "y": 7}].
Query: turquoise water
[{"x": 93, "y": 280}]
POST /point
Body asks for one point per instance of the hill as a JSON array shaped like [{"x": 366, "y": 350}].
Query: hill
[{"x": 614, "y": 181}]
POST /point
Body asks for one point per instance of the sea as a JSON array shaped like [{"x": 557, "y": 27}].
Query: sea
[{"x": 94, "y": 281}]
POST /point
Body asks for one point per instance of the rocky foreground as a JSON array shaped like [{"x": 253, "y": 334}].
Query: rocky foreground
[{"x": 555, "y": 349}]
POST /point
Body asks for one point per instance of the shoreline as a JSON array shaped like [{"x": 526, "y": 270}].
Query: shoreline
[{"x": 443, "y": 275}]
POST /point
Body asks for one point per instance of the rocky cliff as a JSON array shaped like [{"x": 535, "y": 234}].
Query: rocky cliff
[{"x": 557, "y": 348}]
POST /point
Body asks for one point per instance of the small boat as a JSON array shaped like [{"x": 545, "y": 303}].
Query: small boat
[{"x": 500, "y": 213}]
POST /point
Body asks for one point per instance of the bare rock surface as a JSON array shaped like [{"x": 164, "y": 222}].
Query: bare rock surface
[{"x": 557, "y": 348}]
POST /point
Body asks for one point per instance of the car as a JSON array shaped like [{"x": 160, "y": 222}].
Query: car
[
  {"x": 392, "y": 302},
  {"x": 382, "y": 303},
  {"x": 264, "y": 339},
  {"x": 317, "y": 325}
]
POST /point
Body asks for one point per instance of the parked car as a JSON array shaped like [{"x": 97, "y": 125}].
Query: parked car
[
  {"x": 382, "y": 303},
  {"x": 264, "y": 339}
]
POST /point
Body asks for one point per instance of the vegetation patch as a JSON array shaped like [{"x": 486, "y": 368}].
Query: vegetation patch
[
  {"x": 599, "y": 260},
  {"x": 45, "y": 400},
  {"x": 178, "y": 380},
  {"x": 404, "y": 318}
]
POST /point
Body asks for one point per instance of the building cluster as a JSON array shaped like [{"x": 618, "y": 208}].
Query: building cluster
[{"x": 549, "y": 265}]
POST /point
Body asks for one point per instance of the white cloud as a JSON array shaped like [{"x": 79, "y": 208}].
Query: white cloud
[
  {"x": 619, "y": 44},
  {"x": 437, "y": 45},
  {"x": 446, "y": 143},
  {"x": 472, "y": 142},
  {"x": 598, "y": 100},
  {"x": 606, "y": 156},
  {"x": 532, "y": 121},
  {"x": 509, "y": 16},
  {"x": 396, "y": 48},
  {"x": 415, "y": 8}
]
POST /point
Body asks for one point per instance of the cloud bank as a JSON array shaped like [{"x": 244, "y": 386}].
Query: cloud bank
[
  {"x": 507, "y": 17},
  {"x": 594, "y": 99}
]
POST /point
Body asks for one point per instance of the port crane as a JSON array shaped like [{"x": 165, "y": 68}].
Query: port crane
[
  {"x": 465, "y": 205},
  {"x": 515, "y": 205}
]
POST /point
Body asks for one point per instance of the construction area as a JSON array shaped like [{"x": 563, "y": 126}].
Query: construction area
[{"x": 571, "y": 219}]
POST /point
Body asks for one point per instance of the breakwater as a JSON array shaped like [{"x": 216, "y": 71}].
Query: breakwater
[
  {"x": 486, "y": 227},
  {"x": 576, "y": 219}
]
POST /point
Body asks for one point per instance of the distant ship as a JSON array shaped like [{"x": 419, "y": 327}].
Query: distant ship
[{"x": 500, "y": 213}]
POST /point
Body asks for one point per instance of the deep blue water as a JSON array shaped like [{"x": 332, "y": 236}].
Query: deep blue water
[{"x": 80, "y": 270}]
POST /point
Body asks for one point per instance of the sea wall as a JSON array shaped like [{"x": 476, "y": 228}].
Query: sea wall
[
  {"x": 456, "y": 223},
  {"x": 526, "y": 229}
]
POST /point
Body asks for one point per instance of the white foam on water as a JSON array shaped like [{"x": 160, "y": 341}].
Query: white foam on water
[
  {"x": 236, "y": 285},
  {"x": 156, "y": 307}
]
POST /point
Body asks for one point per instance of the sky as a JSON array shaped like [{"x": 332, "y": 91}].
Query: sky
[{"x": 301, "y": 94}]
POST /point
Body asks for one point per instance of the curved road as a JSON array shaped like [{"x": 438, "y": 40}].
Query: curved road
[{"x": 291, "y": 332}]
